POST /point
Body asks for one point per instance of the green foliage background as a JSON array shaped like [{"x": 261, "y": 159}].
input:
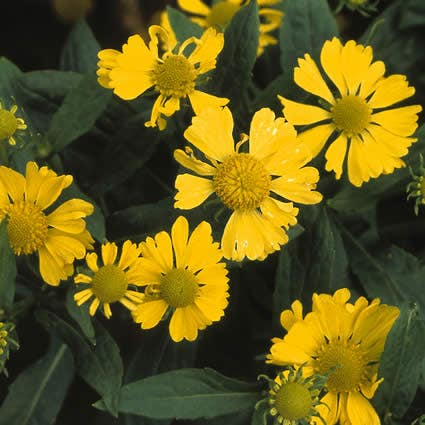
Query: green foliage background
[{"x": 366, "y": 239}]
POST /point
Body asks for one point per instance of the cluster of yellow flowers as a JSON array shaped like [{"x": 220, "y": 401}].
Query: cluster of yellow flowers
[{"x": 258, "y": 178}]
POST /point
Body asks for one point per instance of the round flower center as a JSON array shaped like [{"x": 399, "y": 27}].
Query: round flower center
[
  {"x": 351, "y": 114},
  {"x": 174, "y": 77},
  {"x": 26, "y": 227},
  {"x": 293, "y": 401},
  {"x": 242, "y": 182},
  {"x": 109, "y": 284},
  {"x": 8, "y": 124},
  {"x": 221, "y": 14},
  {"x": 348, "y": 363},
  {"x": 179, "y": 287}
]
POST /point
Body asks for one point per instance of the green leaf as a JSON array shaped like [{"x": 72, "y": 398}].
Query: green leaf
[
  {"x": 7, "y": 269},
  {"x": 9, "y": 74},
  {"x": 307, "y": 24},
  {"x": 80, "y": 51},
  {"x": 80, "y": 314},
  {"x": 400, "y": 362},
  {"x": 182, "y": 26},
  {"x": 187, "y": 394},
  {"x": 99, "y": 365},
  {"x": 79, "y": 111},
  {"x": 36, "y": 395},
  {"x": 236, "y": 61}
]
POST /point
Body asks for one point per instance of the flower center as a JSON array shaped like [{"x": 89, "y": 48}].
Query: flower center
[
  {"x": 348, "y": 363},
  {"x": 221, "y": 14},
  {"x": 174, "y": 77},
  {"x": 242, "y": 182},
  {"x": 179, "y": 287},
  {"x": 8, "y": 124},
  {"x": 351, "y": 114},
  {"x": 109, "y": 284},
  {"x": 26, "y": 227},
  {"x": 293, "y": 401}
]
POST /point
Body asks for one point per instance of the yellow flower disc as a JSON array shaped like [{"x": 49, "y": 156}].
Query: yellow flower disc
[
  {"x": 242, "y": 182},
  {"x": 293, "y": 401},
  {"x": 8, "y": 124},
  {"x": 348, "y": 363},
  {"x": 174, "y": 77},
  {"x": 221, "y": 14},
  {"x": 351, "y": 114},
  {"x": 26, "y": 227},
  {"x": 109, "y": 284},
  {"x": 179, "y": 287}
]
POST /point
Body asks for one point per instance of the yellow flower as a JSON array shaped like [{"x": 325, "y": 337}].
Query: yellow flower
[
  {"x": 173, "y": 75},
  {"x": 221, "y": 13},
  {"x": 10, "y": 124},
  {"x": 60, "y": 236},
  {"x": 344, "y": 337},
  {"x": 356, "y": 114},
  {"x": 182, "y": 274},
  {"x": 110, "y": 282},
  {"x": 251, "y": 184}
]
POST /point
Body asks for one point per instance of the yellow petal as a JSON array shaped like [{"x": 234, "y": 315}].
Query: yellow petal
[
  {"x": 391, "y": 90},
  {"x": 82, "y": 278},
  {"x": 272, "y": 210},
  {"x": 196, "y": 7},
  {"x": 188, "y": 160},
  {"x": 395, "y": 145},
  {"x": 130, "y": 254},
  {"x": 211, "y": 132},
  {"x": 329, "y": 410},
  {"x": 360, "y": 411},
  {"x": 109, "y": 253},
  {"x": 301, "y": 114},
  {"x": 335, "y": 155},
  {"x": 316, "y": 137},
  {"x": 164, "y": 250},
  {"x": 214, "y": 275},
  {"x": 51, "y": 268},
  {"x": 158, "y": 254},
  {"x": 50, "y": 190},
  {"x": 65, "y": 246},
  {"x": 372, "y": 77},
  {"x": 330, "y": 58},
  {"x": 192, "y": 191},
  {"x": 149, "y": 313},
  {"x": 399, "y": 121},
  {"x": 82, "y": 296},
  {"x": 206, "y": 51},
  {"x": 308, "y": 77},
  {"x": 212, "y": 304},
  {"x": 354, "y": 163},
  {"x": 13, "y": 182},
  {"x": 200, "y": 101},
  {"x": 67, "y": 217},
  {"x": 282, "y": 353},
  {"x": 94, "y": 306},
  {"x": 289, "y": 317},
  {"x": 91, "y": 260},
  {"x": 179, "y": 235}
]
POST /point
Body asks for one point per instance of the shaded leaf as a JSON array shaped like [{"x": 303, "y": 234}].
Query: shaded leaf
[
  {"x": 7, "y": 269},
  {"x": 9, "y": 73},
  {"x": 182, "y": 26}
]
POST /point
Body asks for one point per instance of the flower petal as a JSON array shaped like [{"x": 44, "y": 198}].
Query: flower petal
[
  {"x": 330, "y": 58},
  {"x": 179, "y": 235},
  {"x": 335, "y": 155},
  {"x": 13, "y": 182},
  {"x": 360, "y": 411},
  {"x": 109, "y": 253},
  {"x": 149, "y": 313},
  {"x": 316, "y": 137},
  {"x": 188, "y": 160},
  {"x": 200, "y": 101},
  {"x": 196, "y": 7},
  {"x": 390, "y": 90},
  {"x": 301, "y": 114},
  {"x": 192, "y": 191},
  {"x": 206, "y": 51},
  {"x": 399, "y": 121}
]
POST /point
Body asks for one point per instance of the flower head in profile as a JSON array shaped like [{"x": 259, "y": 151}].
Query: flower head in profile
[
  {"x": 221, "y": 13},
  {"x": 344, "y": 339},
  {"x": 59, "y": 236},
  {"x": 253, "y": 184},
  {"x": 7, "y": 343},
  {"x": 110, "y": 282},
  {"x": 355, "y": 117},
  {"x": 173, "y": 74},
  {"x": 293, "y": 399},
  {"x": 10, "y": 124},
  {"x": 184, "y": 276}
]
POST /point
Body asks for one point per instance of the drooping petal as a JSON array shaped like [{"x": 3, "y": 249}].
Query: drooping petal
[
  {"x": 192, "y": 191},
  {"x": 360, "y": 411},
  {"x": 330, "y": 409},
  {"x": 149, "y": 313},
  {"x": 354, "y": 163},
  {"x": 51, "y": 268}
]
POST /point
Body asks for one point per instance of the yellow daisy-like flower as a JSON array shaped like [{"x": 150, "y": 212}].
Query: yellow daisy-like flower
[
  {"x": 10, "y": 124},
  {"x": 221, "y": 13},
  {"x": 173, "y": 75},
  {"x": 60, "y": 236},
  {"x": 110, "y": 282},
  {"x": 182, "y": 274},
  {"x": 251, "y": 184},
  {"x": 340, "y": 336},
  {"x": 377, "y": 138}
]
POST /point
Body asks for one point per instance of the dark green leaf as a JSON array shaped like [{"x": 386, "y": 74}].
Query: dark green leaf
[
  {"x": 99, "y": 365},
  {"x": 9, "y": 73},
  {"x": 80, "y": 51},
  {"x": 307, "y": 24},
  {"x": 79, "y": 111},
  {"x": 187, "y": 394},
  {"x": 400, "y": 362},
  {"x": 36, "y": 395},
  {"x": 182, "y": 26},
  {"x": 7, "y": 269}
]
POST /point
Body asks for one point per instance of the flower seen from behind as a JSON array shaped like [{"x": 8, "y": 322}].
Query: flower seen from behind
[
  {"x": 110, "y": 282},
  {"x": 183, "y": 275},
  {"x": 10, "y": 124},
  {"x": 356, "y": 117},
  {"x": 173, "y": 74},
  {"x": 254, "y": 185},
  {"x": 221, "y": 13},
  {"x": 59, "y": 236},
  {"x": 340, "y": 336}
]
